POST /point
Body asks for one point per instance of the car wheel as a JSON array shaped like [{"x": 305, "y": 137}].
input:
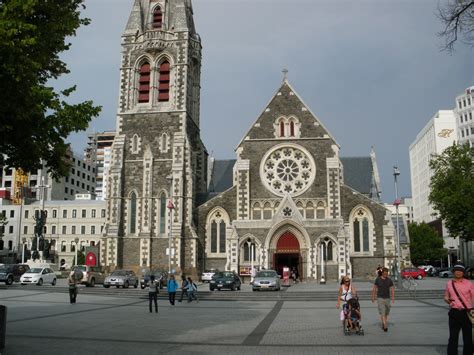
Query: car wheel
[
  {"x": 54, "y": 282},
  {"x": 253, "y": 290},
  {"x": 40, "y": 282},
  {"x": 445, "y": 275},
  {"x": 9, "y": 280},
  {"x": 125, "y": 285},
  {"x": 211, "y": 288},
  {"x": 92, "y": 283},
  {"x": 277, "y": 289},
  {"x": 419, "y": 277},
  {"x": 238, "y": 288},
  {"x": 106, "y": 286},
  {"x": 232, "y": 288},
  {"x": 136, "y": 284}
]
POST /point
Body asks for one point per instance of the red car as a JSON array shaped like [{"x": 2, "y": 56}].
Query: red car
[{"x": 414, "y": 272}]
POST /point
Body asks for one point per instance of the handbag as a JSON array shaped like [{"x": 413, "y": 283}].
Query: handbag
[{"x": 470, "y": 311}]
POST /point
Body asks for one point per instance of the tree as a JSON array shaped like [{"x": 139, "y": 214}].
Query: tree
[
  {"x": 425, "y": 244},
  {"x": 457, "y": 17},
  {"x": 452, "y": 189},
  {"x": 35, "y": 120}
]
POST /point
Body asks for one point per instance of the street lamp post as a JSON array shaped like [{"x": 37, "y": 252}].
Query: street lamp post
[
  {"x": 170, "y": 206},
  {"x": 77, "y": 246},
  {"x": 250, "y": 246},
  {"x": 396, "y": 173}
]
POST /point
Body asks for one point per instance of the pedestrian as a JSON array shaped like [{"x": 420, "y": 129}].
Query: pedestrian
[
  {"x": 252, "y": 274},
  {"x": 172, "y": 286},
  {"x": 153, "y": 288},
  {"x": 383, "y": 286},
  {"x": 184, "y": 288},
  {"x": 192, "y": 289},
  {"x": 459, "y": 294},
  {"x": 378, "y": 272},
  {"x": 346, "y": 292},
  {"x": 72, "y": 282}
]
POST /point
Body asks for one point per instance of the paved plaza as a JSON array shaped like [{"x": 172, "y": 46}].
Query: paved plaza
[{"x": 43, "y": 322}]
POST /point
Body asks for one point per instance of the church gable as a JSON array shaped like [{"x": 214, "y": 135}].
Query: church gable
[{"x": 287, "y": 117}]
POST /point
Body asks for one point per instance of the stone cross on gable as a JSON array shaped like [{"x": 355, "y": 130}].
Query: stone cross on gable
[{"x": 285, "y": 74}]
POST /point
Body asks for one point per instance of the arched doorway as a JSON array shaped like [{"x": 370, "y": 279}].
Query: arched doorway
[{"x": 287, "y": 253}]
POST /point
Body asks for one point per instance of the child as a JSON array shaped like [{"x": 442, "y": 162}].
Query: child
[{"x": 353, "y": 315}]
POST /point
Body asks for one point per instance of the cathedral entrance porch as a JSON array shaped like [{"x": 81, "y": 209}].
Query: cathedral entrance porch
[
  {"x": 287, "y": 254},
  {"x": 290, "y": 260}
]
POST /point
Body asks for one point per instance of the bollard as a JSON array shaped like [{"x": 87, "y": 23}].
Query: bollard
[{"x": 3, "y": 326}]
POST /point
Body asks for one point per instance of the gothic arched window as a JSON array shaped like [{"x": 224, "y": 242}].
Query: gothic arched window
[
  {"x": 164, "y": 142},
  {"x": 257, "y": 211},
  {"x": 144, "y": 83},
  {"x": 157, "y": 18},
  {"x": 320, "y": 211},
  {"x": 164, "y": 82},
  {"x": 267, "y": 211},
  {"x": 361, "y": 226},
  {"x": 282, "y": 128},
  {"x": 292, "y": 129},
  {"x": 222, "y": 237},
  {"x": 133, "y": 213},
  {"x": 135, "y": 144},
  {"x": 213, "y": 237},
  {"x": 247, "y": 253},
  {"x": 309, "y": 210},
  {"x": 162, "y": 214},
  {"x": 216, "y": 232}
]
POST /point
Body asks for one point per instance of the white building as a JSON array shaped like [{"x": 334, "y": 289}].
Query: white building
[
  {"x": 464, "y": 111},
  {"x": 99, "y": 154},
  {"x": 438, "y": 134},
  {"x": 81, "y": 179},
  {"x": 81, "y": 219}
]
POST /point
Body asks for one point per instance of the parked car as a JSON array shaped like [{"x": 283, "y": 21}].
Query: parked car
[
  {"x": 10, "y": 273},
  {"x": 469, "y": 273},
  {"x": 414, "y": 272},
  {"x": 446, "y": 273},
  {"x": 160, "y": 275},
  {"x": 38, "y": 276},
  {"x": 208, "y": 274},
  {"x": 123, "y": 278},
  {"x": 225, "y": 279},
  {"x": 429, "y": 269},
  {"x": 91, "y": 275},
  {"x": 266, "y": 280},
  {"x": 437, "y": 270}
]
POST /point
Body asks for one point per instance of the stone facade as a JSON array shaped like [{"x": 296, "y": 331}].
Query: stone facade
[{"x": 287, "y": 203}]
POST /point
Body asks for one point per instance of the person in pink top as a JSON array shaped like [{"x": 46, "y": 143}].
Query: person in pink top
[{"x": 459, "y": 294}]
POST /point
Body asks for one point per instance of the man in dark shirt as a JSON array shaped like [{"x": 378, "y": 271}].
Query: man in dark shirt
[{"x": 381, "y": 289}]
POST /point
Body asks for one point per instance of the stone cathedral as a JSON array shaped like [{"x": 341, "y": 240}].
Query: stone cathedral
[{"x": 288, "y": 199}]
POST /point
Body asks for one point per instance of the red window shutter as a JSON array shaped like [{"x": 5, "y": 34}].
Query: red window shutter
[
  {"x": 144, "y": 80},
  {"x": 157, "y": 18},
  {"x": 164, "y": 82}
]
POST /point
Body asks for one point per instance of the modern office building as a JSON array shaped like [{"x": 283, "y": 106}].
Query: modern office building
[
  {"x": 99, "y": 154},
  {"x": 464, "y": 111}
]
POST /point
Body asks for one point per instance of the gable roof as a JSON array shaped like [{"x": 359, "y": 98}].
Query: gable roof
[
  {"x": 221, "y": 175},
  {"x": 358, "y": 173}
]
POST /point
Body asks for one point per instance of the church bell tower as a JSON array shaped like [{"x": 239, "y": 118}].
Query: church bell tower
[{"x": 158, "y": 160}]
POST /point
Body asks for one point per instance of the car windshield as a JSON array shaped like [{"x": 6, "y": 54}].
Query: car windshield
[
  {"x": 266, "y": 274},
  {"x": 35, "y": 270},
  {"x": 119, "y": 273}
]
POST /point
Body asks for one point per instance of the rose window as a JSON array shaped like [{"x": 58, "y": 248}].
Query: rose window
[{"x": 287, "y": 170}]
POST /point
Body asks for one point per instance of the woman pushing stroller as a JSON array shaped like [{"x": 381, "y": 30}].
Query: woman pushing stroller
[{"x": 350, "y": 309}]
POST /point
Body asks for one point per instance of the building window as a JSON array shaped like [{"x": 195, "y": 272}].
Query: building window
[
  {"x": 1, "y": 244},
  {"x": 164, "y": 82},
  {"x": 53, "y": 230},
  {"x": 360, "y": 227},
  {"x": 267, "y": 211},
  {"x": 10, "y": 229},
  {"x": 292, "y": 129},
  {"x": 157, "y": 18},
  {"x": 213, "y": 237},
  {"x": 217, "y": 232},
  {"x": 25, "y": 230},
  {"x": 257, "y": 211},
  {"x": 320, "y": 211},
  {"x": 74, "y": 213},
  {"x": 84, "y": 213},
  {"x": 27, "y": 214},
  {"x": 102, "y": 213},
  {"x": 12, "y": 213},
  {"x": 282, "y": 129},
  {"x": 162, "y": 213},
  {"x": 92, "y": 229},
  {"x": 10, "y": 245},
  {"x": 133, "y": 213},
  {"x": 309, "y": 210},
  {"x": 73, "y": 230},
  {"x": 83, "y": 229},
  {"x": 222, "y": 238},
  {"x": 247, "y": 253},
  {"x": 64, "y": 230},
  {"x": 64, "y": 213},
  {"x": 55, "y": 213},
  {"x": 93, "y": 213},
  {"x": 135, "y": 144},
  {"x": 144, "y": 83},
  {"x": 63, "y": 247},
  {"x": 73, "y": 247}
]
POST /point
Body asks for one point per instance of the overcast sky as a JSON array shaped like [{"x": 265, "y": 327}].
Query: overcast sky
[{"x": 371, "y": 70}]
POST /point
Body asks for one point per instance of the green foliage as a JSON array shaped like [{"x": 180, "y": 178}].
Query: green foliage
[
  {"x": 34, "y": 118},
  {"x": 452, "y": 189},
  {"x": 425, "y": 244}
]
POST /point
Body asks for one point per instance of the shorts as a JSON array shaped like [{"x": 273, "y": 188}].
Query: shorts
[{"x": 384, "y": 306}]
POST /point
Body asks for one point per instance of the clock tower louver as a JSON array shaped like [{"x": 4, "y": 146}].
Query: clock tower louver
[{"x": 157, "y": 155}]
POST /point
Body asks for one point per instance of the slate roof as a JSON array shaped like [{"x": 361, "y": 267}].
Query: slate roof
[{"x": 358, "y": 174}]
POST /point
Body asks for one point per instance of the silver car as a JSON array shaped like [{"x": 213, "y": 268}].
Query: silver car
[
  {"x": 124, "y": 278},
  {"x": 266, "y": 280}
]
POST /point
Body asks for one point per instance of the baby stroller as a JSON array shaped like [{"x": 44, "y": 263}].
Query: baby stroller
[{"x": 352, "y": 316}]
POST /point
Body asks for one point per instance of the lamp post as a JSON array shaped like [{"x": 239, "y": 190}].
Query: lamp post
[
  {"x": 170, "y": 206},
  {"x": 251, "y": 254},
  {"x": 322, "y": 280},
  {"x": 23, "y": 251},
  {"x": 77, "y": 246},
  {"x": 396, "y": 173}
]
